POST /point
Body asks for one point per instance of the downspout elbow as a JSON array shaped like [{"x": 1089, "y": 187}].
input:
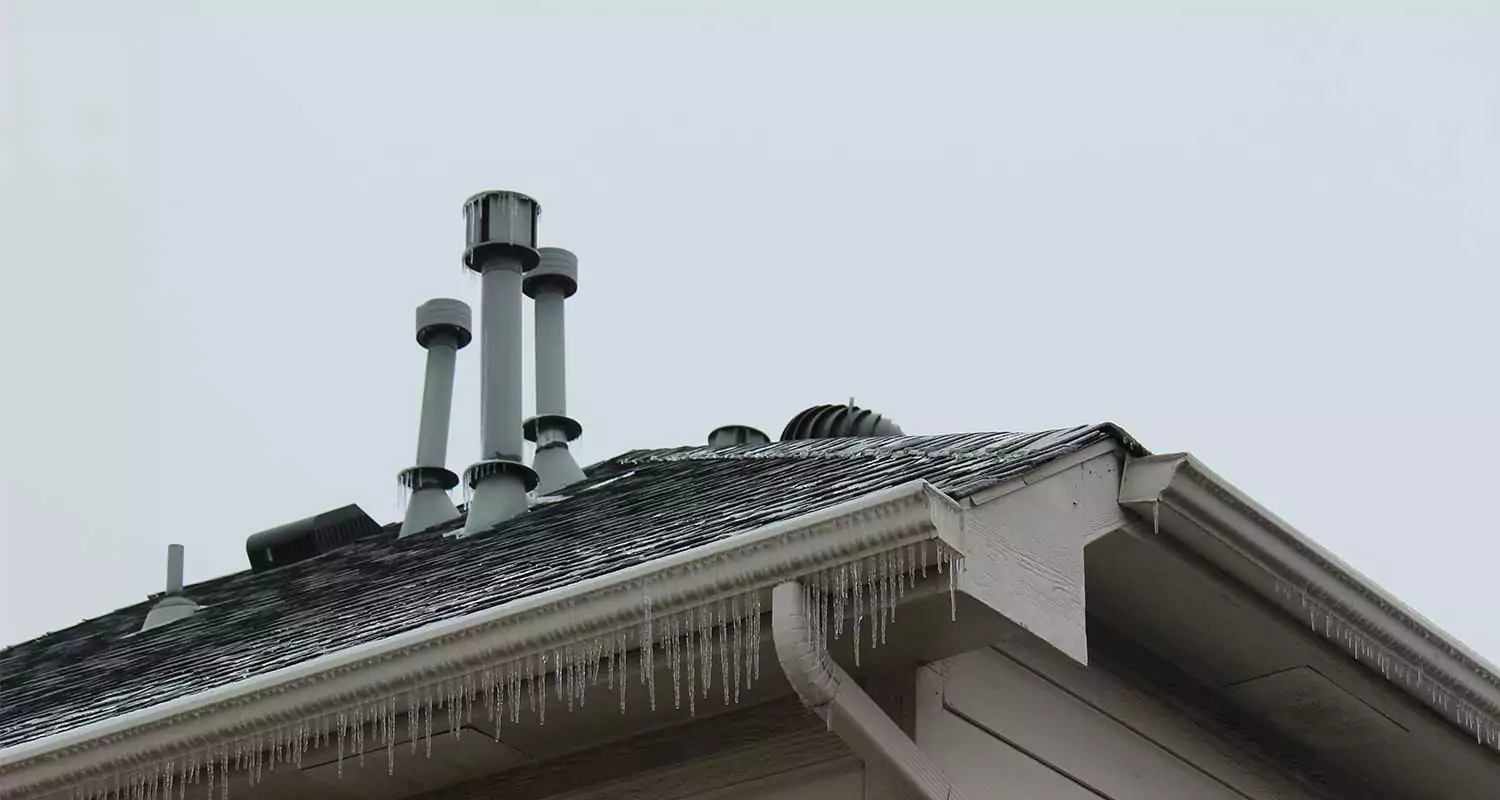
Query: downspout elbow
[{"x": 828, "y": 691}]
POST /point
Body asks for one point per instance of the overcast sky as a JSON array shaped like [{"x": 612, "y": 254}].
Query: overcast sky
[{"x": 1266, "y": 237}]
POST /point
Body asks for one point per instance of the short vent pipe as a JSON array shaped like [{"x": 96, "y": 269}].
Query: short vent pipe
[
  {"x": 443, "y": 328},
  {"x": 553, "y": 281},
  {"x": 173, "y": 606}
]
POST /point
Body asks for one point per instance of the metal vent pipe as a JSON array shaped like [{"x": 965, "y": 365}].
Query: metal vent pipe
[
  {"x": 500, "y": 238},
  {"x": 553, "y": 281},
  {"x": 443, "y": 328}
]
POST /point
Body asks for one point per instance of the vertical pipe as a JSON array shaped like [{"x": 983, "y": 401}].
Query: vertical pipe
[
  {"x": 500, "y": 354},
  {"x": 551, "y": 354},
  {"x": 443, "y": 328},
  {"x": 174, "y": 569},
  {"x": 501, "y": 246},
  {"x": 437, "y": 401}
]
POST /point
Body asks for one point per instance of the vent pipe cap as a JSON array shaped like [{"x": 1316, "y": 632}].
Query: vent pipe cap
[
  {"x": 445, "y": 315},
  {"x": 838, "y": 421},
  {"x": 499, "y": 223},
  {"x": 736, "y": 435},
  {"x": 565, "y": 426},
  {"x": 557, "y": 270},
  {"x": 414, "y": 478},
  {"x": 480, "y": 470}
]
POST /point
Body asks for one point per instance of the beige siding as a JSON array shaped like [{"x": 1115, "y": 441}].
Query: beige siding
[
  {"x": 1001, "y": 727},
  {"x": 774, "y": 751}
]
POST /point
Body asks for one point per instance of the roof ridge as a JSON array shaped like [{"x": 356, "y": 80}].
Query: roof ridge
[{"x": 949, "y": 445}]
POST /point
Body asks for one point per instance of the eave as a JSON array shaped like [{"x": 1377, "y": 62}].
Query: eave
[
  {"x": 740, "y": 566},
  {"x": 1182, "y": 498}
]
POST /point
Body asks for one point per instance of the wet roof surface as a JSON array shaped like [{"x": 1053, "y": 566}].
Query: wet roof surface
[{"x": 637, "y": 507}]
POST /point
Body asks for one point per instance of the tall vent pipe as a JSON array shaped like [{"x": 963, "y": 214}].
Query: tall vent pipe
[
  {"x": 443, "y": 328},
  {"x": 554, "y": 280},
  {"x": 500, "y": 238}
]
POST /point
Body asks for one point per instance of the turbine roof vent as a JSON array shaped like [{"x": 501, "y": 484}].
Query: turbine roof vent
[{"x": 837, "y": 421}]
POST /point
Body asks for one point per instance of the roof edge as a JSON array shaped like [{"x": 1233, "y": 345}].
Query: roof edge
[
  {"x": 909, "y": 512},
  {"x": 1307, "y": 579}
]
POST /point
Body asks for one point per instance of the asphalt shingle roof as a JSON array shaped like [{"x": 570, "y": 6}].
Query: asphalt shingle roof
[{"x": 637, "y": 507}]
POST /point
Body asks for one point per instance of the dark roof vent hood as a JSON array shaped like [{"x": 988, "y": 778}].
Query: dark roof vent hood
[
  {"x": 306, "y": 538},
  {"x": 837, "y": 421}
]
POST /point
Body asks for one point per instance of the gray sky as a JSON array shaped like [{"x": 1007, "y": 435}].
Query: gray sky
[{"x": 1263, "y": 236}]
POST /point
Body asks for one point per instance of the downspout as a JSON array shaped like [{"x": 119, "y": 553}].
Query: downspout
[{"x": 831, "y": 694}]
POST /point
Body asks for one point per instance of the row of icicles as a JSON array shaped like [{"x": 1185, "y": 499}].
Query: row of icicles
[
  {"x": 1394, "y": 667},
  {"x": 848, "y": 597}
]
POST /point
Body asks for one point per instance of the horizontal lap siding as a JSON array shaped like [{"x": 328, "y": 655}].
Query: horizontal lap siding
[{"x": 1000, "y": 729}]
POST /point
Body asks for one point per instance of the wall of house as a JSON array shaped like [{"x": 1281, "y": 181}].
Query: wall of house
[
  {"x": 1025, "y": 722},
  {"x": 773, "y": 751}
]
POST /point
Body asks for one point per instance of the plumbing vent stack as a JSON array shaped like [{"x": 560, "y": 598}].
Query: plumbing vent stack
[
  {"x": 443, "y": 328},
  {"x": 554, "y": 280},
  {"x": 173, "y": 606},
  {"x": 500, "y": 239}
]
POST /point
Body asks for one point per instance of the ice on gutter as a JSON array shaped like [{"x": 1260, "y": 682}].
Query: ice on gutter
[{"x": 491, "y": 655}]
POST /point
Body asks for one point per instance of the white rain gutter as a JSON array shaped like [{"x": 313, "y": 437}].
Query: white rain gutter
[
  {"x": 892, "y": 517},
  {"x": 1182, "y": 498},
  {"x": 830, "y": 693}
]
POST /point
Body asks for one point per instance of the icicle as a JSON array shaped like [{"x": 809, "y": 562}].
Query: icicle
[
  {"x": 341, "y": 746},
  {"x": 858, "y": 610},
  {"x": 755, "y": 612},
  {"x": 624, "y": 659},
  {"x": 468, "y": 701},
  {"x": 648, "y": 676},
  {"x": 723, "y": 626},
  {"x": 413, "y": 718},
  {"x": 840, "y": 586},
  {"x": 923, "y": 558},
  {"x": 577, "y": 674},
  {"x": 614, "y": 659},
  {"x": 739, "y": 642},
  {"x": 427, "y": 733},
  {"x": 648, "y": 668},
  {"x": 513, "y": 688},
  {"x": 673, "y": 664},
  {"x": 872, "y": 589},
  {"x": 690, "y": 657},
  {"x": 706, "y": 646},
  {"x": 224, "y": 776},
  {"x": 599, "y": 657},
  {"x": 820, "y": 643},
  {"x": 390, "y": 737},
  {"x": 539, "y": 685},
  {"x": 953, "y": 568},
  {"x": 887, "y": 601}
]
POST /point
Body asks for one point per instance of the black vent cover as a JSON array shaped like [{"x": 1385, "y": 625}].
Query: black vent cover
[
  {"x": 305, "y": 538},
  {"x": 832, "y": 422}
]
